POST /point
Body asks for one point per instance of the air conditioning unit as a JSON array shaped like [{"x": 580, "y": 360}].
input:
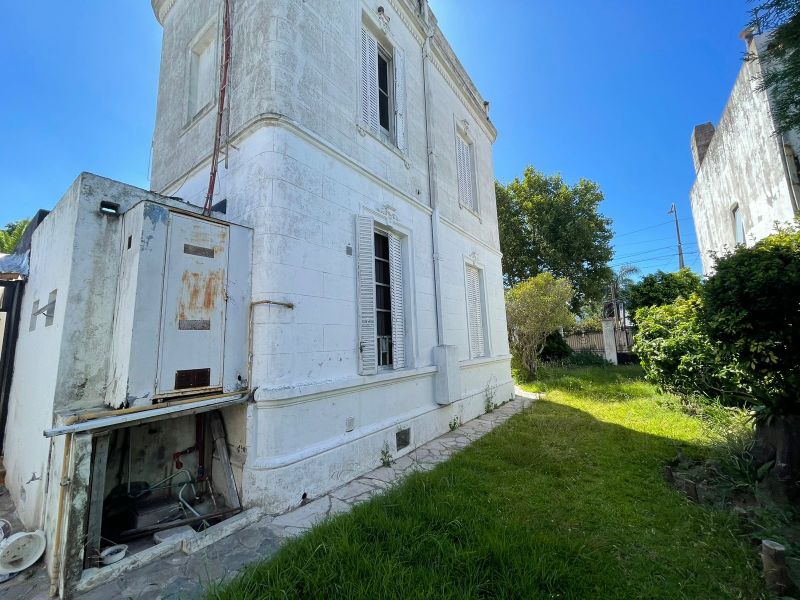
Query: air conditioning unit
[{"x": 182, "y": 307}]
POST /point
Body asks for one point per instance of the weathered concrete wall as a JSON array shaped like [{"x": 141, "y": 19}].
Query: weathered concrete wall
[
  {"x": 742, "y": 166},
  {"x": 36, "y": 363}
]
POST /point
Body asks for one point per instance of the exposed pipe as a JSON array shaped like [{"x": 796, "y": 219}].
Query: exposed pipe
[
  {"x": 253, "y": 304},
  {"x": 432, "y": 189},
  {"x": 223, "y": 87},
  {"x": 54, "y": 576}
]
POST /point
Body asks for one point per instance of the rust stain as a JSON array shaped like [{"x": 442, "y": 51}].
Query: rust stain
[{"x": 199, "y": 294}]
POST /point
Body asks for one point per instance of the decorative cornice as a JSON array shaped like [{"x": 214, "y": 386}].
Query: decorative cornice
[{"x": 161, "y": 8}]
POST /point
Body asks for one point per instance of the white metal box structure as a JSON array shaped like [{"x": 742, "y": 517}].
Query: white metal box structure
[{"x": 180, "y": 326}]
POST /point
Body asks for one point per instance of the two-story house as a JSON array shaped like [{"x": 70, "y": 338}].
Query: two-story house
[{"x": 341, "y": 302}]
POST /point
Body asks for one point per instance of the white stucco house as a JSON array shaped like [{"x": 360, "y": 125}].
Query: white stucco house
[
  {"x": 343, "y": 298},
  {"x": 747, "y": 176}
]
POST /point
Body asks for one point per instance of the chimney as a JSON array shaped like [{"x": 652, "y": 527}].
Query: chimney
[{"x": 701, "y": 140}]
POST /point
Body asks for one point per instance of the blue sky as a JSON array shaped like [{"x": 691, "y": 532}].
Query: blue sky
[{"x": 602, "y": 89}]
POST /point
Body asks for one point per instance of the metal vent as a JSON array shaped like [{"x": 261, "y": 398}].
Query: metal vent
[
  {"x": 402, "y": 438},
  {"x": 192, "y": 378}
]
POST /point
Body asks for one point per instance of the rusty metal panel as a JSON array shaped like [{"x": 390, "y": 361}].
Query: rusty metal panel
[{"x": 193, "y": 306}]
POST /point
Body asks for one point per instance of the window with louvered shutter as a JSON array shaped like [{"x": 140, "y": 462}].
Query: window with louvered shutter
[
  {"x": 398, "y": 312},
  {"x": 475, "y": 322},
  {"x": 367, "y": 334},
  {"x": 466, "y": 173},
  {"x": 369, "y": 81}
]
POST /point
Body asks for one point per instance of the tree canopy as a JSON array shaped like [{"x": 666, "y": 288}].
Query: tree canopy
[
  {"x": 660, "y": 288},
  {"x": 10, "y": 236},
  {"x": 549, "y": 226},
  {"x": 781, "y": 58}
]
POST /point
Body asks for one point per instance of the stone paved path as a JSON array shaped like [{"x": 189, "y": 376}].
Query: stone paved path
[{"x": 185, "y": 576}]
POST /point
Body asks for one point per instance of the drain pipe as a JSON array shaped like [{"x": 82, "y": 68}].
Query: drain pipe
[
  {"x": 433, "y": 191},
  {"x": 63, "y": 484}
]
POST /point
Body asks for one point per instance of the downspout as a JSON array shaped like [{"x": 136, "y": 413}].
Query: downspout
[{"x": 433, "y": 193}]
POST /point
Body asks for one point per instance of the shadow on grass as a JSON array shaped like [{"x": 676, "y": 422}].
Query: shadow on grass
[{"x": 553, "y": 504}]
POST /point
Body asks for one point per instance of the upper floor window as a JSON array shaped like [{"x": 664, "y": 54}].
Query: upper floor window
[
  {"x": 381, "y": 298},
  {"x": 202, "y": 71},
  {"x": 382, "y": 90},
  {"x": 465, "y": 168},
  {"x": 738, "y": 225}
]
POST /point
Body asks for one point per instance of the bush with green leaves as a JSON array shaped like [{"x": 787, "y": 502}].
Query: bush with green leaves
[
  {"x": 555, "y": 348},
  {"x": 751, "y": 311},
  {"x": 535, "y": 309},
  {"x": 677, "y": 355}
]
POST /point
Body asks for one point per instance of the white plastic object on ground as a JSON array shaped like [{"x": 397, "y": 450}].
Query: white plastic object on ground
[
  {"x": 21, "y": 550},
  {"x": 113, "y": 554}
]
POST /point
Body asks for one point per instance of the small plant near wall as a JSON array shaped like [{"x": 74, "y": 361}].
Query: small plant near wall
[
  {"x": 489, "y": 392},
  {"x": 386, "y": 455},
  {"x": 455, "y": 423}
]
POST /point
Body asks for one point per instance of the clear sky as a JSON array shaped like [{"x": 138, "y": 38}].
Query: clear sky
[{"x": 603, "y": 89}]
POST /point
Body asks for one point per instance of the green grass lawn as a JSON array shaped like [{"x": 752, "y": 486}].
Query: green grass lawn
[{"x": 566, "y": 500}]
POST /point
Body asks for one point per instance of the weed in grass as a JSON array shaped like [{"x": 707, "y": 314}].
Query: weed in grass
[
  {"x": 489, "y": 393},
  {"x": 386, "y": 455}
]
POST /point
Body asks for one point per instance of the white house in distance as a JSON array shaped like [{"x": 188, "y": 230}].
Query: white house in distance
[
  {"x": 342, "y": 300},
  {"x": 747, "y": 176}
]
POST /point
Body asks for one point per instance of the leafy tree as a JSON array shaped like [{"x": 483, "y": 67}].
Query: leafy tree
[
  {"x": 548, "y": 226},
  {"x": 11, "y": 235},
  {"x": 660, "y": 288},
  {"x": 536, "y": 308},
  {"x": 781, "y": 58}
]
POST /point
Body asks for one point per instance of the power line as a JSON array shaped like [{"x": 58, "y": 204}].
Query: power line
[
  {"x": 649, "y": 259},
  {"x": 650, "y": 227}
]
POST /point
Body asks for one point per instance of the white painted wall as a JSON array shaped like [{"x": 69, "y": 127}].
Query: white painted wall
[
  {"x": 743, "y": 166},
  {"x": 299, "y": 171}
]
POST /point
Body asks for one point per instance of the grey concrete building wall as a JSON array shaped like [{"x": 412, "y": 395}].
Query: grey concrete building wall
[{"x": 743, "y": 167}]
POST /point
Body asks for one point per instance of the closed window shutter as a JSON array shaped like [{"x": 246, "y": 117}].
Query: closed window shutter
[
  {"x": 466, "y": 193},
  {"x": 398, "y": 312},
  {"x": 400, "y": 100},
  {"x": 367, "y": 332},
  {"x": 477, "y": 346},
  {"x": 369, "y": 81}
]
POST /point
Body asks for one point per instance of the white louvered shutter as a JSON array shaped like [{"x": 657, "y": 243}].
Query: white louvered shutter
[
  {"x": 400, "y": 100},
  {"x": 466, "y": 193},
  {"x": 369, "y": 81},
  {"x": 398, "y": 311},
  {"x": 367, "y": 332},
  {"x": 477, "y": 346}
]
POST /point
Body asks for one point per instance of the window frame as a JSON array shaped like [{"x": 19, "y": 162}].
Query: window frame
[
  {"x": 209, "y": 36},
  {"x": 462, "y": 136},
  {"x": 738, "y": 225},
  {"x": 387, "y": 366},
  {"x": 471, "y": 263},
  {"x": 388, "y": 135}
]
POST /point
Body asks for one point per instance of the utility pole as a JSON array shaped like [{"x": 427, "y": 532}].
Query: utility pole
[{"x": 674, "y": 211}]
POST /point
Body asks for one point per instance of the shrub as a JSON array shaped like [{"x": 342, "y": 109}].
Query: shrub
[
  {"x": 678, "y": 356},
  {"x": 536, "y": 308},
  {"x": 752, "y": 313},
  {"x": 555, "y": 348}
]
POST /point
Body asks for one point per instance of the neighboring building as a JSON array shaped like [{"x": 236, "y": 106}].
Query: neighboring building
[
  {"x": 344, "y": 298},
  {"x": 747, "y": 175}
]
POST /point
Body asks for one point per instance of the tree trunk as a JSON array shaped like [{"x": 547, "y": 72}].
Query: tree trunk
[{"x": 779, "y": 439}]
